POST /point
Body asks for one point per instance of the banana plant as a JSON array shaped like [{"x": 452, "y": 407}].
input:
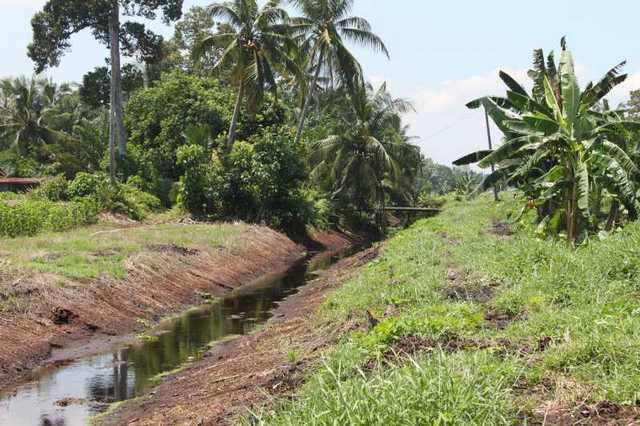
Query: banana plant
[{"x": 558, "y": 147}]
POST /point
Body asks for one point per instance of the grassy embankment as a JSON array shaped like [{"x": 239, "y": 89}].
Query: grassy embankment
[
  {"x": 504, "y": 329},
  {"x": 100, "y": 250}
]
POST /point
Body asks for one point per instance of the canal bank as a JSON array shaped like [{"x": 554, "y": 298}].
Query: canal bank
[
  {"x": 247, "y": 371},
  {"x": 70, "y": 393}
]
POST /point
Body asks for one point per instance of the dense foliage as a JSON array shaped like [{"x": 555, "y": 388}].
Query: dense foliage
[
  {"x": 316, "y": 145},
  {"x": 568, "y": 155},
  {"x": 235, "y": 71}
]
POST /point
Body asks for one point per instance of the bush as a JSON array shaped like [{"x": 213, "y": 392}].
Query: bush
[
  {"x": 260, "y": 180},
  {"x": 429, "y": 201},
  {"x": 87, "y": 184},
  {"x": 54, "y": 189},
  {"x": 127, "y": 199},
  {"x": 33, "y": 216},
  {"x": 13, "y": 164}
]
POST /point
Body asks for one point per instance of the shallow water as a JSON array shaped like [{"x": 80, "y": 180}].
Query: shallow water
[{"x": 70, "y": 395}]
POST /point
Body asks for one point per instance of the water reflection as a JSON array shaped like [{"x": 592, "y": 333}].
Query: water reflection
[{"x": 69, "y": 395}]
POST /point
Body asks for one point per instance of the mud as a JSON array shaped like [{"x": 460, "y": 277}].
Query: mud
[
  {"x": 247, "y": 371},
  {"x": 51, "y": 323}
]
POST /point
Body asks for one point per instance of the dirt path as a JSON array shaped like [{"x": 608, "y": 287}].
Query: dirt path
[
  {"x": 55, "y": 323},
  {"x": 242, "y": 373}
]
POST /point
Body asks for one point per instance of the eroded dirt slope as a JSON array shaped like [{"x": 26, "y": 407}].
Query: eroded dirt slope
[
  {"x": 49, "y": 317},
  {"x": 243, "y": 372}
]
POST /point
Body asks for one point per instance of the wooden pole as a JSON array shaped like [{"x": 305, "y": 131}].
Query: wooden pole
[{"x": 493, "y": 168}]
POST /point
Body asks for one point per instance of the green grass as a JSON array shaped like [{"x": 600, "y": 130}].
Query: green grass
[
  {"x": 586, "y": 300},
  {"x": 100, "y": 251}
]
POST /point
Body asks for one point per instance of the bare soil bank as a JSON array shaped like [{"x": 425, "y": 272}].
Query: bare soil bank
[
  {"x": 61, "y": 322},
  {"x": 244, "y": 372}
]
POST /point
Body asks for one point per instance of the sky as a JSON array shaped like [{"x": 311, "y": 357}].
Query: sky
[{"x": 443, "y": 54}]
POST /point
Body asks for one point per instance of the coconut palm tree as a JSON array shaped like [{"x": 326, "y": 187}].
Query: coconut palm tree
[
  {"x": 364, "y": 161},
  {"x": 256, "y": 44},
  {"x": 321, "y": 31},
  {"x": 559, "y": 147},
  {"x": 23, "y": 104}
]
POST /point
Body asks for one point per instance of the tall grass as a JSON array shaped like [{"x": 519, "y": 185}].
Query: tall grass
[{"x": 585, "y": 302}]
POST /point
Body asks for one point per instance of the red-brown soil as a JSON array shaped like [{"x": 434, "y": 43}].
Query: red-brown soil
[
  {"x": 245, "y": 372},
  {"x": 60, "y": 322}
]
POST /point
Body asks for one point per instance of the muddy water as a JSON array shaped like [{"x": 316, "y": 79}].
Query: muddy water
[{"x": 70, "y": 395}]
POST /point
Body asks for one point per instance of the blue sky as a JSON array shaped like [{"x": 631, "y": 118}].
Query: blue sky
[{"x": 442, "y": 53}]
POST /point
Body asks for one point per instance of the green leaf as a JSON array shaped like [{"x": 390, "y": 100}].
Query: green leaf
[
  {"x": 570, "y": 90},
  {"x": 620, "y": 156},
  {"x": 512, "y": 84},
  {"x": 472, "y": 158},
  {"x": 550, "y": 98},
  {"x": 505, "y": 151},
  {"x": 541, "y": 123}
]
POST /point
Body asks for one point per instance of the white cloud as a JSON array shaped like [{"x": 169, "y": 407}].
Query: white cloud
[
  {"x": 446, "y": 128},
  {"x": 621, "y": 93},
  {"x": 28, "y": 4}
]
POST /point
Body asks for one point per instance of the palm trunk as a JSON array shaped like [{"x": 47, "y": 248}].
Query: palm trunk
[
  {"x": 307, "y": 101},
  {"x": 145, "y": 75},
  {"x": 234, "y": 120},
  {"x": 116, "y": 80}
]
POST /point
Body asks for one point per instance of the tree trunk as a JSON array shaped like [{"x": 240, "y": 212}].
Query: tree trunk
[
  {"x": 116, "y": 80},
  {"x": 307, "y": 101},
  {"x": 145, "y": 75},
  {"x": 613, "y": 215},
  {"x": 571, "y": 211},
  {"x": 112, "y": 102},
  {"x": 234, "y": 120}
]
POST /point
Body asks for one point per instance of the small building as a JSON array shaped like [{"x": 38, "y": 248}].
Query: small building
[{"x": 18, "y": 184}]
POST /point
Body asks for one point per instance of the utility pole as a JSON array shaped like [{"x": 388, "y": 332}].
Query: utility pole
[{"x": 493, "y": 168}]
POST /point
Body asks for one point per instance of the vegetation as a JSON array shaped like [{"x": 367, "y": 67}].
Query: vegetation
[
  {"x": 60, "y": 19},
  {"x": 244, "y": 114},
  {"x": 566, "y": 154},
  {"x": 321, "y": 33},
  {"x": 100, "y": 250},
  {"x": 568, "y": 336},
  {"x": 260, "y": 112}
]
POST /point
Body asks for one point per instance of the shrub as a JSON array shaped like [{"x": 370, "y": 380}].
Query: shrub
[
  {"x": 127, "y": 199},
  {"x": 87, "y": 184},
  {"x": 192, "y": 188},
  {"x": 54, "y": 189},
  {"x": 260, "y": 180},
  {"x": 428, "y": 200},
  {"x": 34, "y": 215},
  {"x": 13, "y": 164}
]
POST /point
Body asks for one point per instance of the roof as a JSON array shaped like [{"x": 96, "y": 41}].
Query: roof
[{"x": 21, "y": 181}]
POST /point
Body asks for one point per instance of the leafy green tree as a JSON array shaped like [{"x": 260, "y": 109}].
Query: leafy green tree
[
  {"x": 194, "y": 27},
  {"x": 633, "y": 105},
  {"x": 58, "y": 20},
  {"x": 256, "y": 45},
  {"x": 364, "y": 157},
  {"x": 95, "y": 88},
  {"x": 322, "y": 30},
  {"x": 559, "y": 147},
  {"x": 22, "y": 109},
  {"x": 158, "y": 117}
]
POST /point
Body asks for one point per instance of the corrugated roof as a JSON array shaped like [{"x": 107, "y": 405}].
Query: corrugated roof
[{"x": 21, "y": 181}]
